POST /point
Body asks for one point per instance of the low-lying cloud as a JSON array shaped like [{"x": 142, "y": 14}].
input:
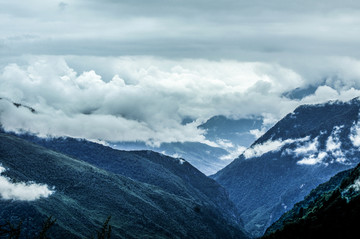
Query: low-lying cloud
[
  {"x": 355, "y": 135},
  {"x": 270, "y": 146},
  {"x": 313, "y": 159},
  {"x": 146, "y": 98},
  {"x": 233, "y": 153},
  {"x": 22, "y": 191},
  {"x": 310, "y": 146}
]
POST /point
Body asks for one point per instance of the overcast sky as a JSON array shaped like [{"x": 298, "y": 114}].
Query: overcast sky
[{"x": 133, "y": 70}]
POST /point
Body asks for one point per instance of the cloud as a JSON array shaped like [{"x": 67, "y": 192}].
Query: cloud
[
  {"x": 355, "y": 135},
  {"x": 233, "y": 153},
  {"x": 146, "y": 99},
  {"x": 355, "y": 185},
  {"x": 313, "y": 159},
  {"x": 22, "y": 191},
  {"x": 62, "y": 5},
  {"x": 269, "y": 146},
  {"x": 307, "y": 148},
  {"x": 266, "y": 31},
  {"x": 258, "y": 133},
  {"x": 310, "y": 153},
  {"x": 333, "y": 145},
  {"x": 224, "y": 143}
]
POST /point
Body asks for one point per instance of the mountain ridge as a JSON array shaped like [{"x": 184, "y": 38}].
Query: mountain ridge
[
  {"x": 301, "y": 151},
  {"x": 85, "y": 195},
  {"x": 330, "y": 210}
]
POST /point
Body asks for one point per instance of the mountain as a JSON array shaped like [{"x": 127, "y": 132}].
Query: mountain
[
  {"x": 236, "y": 131},
  {"x": 329, "y": 211},
  {"x": 204, "y": 157},
  {"x": 147, "y": 194},
  {"x": 300, "y": 93},
  {"x": 229, "y": 137},
  {"x": 229, "y": 134},
  {"x": 304, "y": 149}
]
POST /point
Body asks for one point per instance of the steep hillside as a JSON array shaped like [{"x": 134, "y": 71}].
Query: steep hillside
[
  {"x": 173, "y": 175},
  {"x": 301, "y": 151},
  {"x": 329, "y": 211},
  {"x": 85, "y": 195}
]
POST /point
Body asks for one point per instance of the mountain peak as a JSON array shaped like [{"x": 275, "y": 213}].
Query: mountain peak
[{"x": 302, "y": 150}]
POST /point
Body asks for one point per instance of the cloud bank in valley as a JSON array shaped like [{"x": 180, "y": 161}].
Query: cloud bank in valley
[
  {"x": 22, "y": 191},
  {"x": 146, "y": 99}
]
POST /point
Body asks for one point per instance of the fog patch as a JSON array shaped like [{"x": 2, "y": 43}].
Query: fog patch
[
  {"x": 269, "y": 146},
  {"x": 313, "y": 159},
  {"x": 22, "y": 191}
]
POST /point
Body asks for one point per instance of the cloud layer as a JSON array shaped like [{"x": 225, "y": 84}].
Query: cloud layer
[
  {"x": 133, "y": 70},
  {"x": 237, "y": 29},
  {"x": 22, "y": 191},
  {"x": 258, "y": 150},
  {"x": 146, "y": 98}
]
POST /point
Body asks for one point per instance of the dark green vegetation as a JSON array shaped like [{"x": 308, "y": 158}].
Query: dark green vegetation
[
  {"x": 175, "y": 176},
  {"x": 330, "y": 211},
  {"x": 10, "y": 231},
  {"x": 185, "y": 205},
  {"x": 266, "y": 186}
]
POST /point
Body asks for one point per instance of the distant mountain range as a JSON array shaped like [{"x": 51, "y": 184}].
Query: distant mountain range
[
  {"x": 148, "y": 195},
  {"x": 301, "y": 151},
  {"x": 231, "y": 135}
]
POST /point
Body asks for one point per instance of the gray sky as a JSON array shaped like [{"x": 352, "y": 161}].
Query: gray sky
[
  {"x": 146, "y": 65},
  {"x": 236, "y": 29}
]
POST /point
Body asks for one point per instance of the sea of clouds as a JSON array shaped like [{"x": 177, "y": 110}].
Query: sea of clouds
[{"x": 147, "y": 98}]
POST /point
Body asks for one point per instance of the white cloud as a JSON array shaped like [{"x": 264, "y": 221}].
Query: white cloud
[
  {"x": 308, "y": 147},
  {"x": 326, "y": 93},
  {"x": 310, "y": 153},
  {"x": 22, "y": 191},
  {"x": 269, "y": 146},
  {"x": 145, "y": 99},
  {"x": 233, "y": 153},
  {"x": 313, "y": 159},
  {"x": 355, "y": 135},
  {"x": 258, "y": 133},
  {"x": 333, "y": 145},
  {"x": 225, "y": 144},
  {"x": 355, "y": 185}
]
